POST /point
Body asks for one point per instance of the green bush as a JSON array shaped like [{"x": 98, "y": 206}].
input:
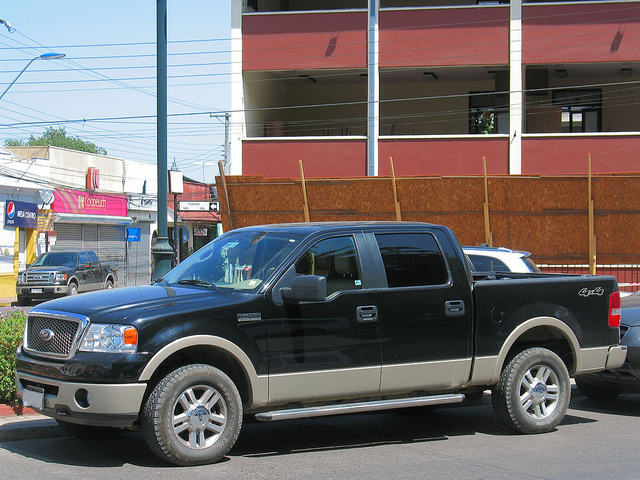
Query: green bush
[{"x": 11, "y": 329}]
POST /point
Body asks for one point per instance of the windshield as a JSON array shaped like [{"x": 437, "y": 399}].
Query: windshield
[
  {"x": 238, "y": 260},
  {"x": 57, "y": 259}
]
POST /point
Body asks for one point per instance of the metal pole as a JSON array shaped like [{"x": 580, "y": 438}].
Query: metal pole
[
  {"x": 373, "y": 103},
  {"x": 176, "y": 235},
  {"x": 162, "y": 251},
  {"x": 227, "y": 118}
]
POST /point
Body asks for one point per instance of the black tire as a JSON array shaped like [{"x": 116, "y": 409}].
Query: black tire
[
  {"x": 24, "y": 301},
  {"x": 533, "y": 393},
  {"x": 73, "y": 289},
  {"x": 193, "y": 416},
  {"x": 88, "y": 431},
  {"x": 596, "y": 392},
  {"x": 109, "y": 284}
]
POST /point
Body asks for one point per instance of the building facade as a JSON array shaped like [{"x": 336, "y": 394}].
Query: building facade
[
  {"x": 534, "y": 87},
  {"x": 82, "y": 201}
]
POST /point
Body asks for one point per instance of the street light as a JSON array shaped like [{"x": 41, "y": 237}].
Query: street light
[{"x": 44, "y": 56}]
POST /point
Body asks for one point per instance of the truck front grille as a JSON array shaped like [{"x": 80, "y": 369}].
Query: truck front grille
[
  {"x": 54, "y": 337},
  {"x": 38, "y": 277}
]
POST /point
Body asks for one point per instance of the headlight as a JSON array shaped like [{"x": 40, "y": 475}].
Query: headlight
[
  {"x": 110, "y": 339},
  {"x": 61, "y": 277}
]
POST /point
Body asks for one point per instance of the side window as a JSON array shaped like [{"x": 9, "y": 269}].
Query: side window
[
  {"x": 337, "y": 260},
  {"x": 84, "y": 259},
  {"x": 488, "y": 264},
  {"x": 93, "y": 257},
  {"x": 412, "y": 259}
]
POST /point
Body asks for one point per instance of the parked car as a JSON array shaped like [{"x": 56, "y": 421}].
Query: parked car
[
  {"x": 57, "y": 274},
  {"x": 500, "y": 259},
  {"x": 303, "y": 320},
  {"x": 608, "y": 384}
]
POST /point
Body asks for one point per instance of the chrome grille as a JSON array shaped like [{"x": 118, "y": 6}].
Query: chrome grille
[
  {"x": 52, "y": 336},
  {"x": 39, "y": 277}
]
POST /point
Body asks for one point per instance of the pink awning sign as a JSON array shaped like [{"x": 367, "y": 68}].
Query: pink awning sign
[{"x": 73, "y": 201}]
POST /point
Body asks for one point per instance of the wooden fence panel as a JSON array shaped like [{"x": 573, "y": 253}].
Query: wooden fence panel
[{"x": 547, "y": 216}]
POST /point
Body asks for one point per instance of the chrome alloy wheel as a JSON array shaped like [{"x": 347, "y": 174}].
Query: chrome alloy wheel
[
  {"x": 539, "y": 392},
  {"x": 199, "y": 417}
]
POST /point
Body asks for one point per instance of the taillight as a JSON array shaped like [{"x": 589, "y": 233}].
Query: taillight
[{"x": 615, "y": 310}]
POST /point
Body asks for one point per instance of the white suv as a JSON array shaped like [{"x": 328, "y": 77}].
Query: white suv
[{"x": 499, "y": 259}]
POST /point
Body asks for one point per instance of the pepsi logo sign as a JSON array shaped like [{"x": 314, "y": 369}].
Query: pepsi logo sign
[{"x": 11, "y": 210}]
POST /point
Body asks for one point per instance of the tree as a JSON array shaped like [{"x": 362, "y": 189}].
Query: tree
[{"x": 57, "y": 137}]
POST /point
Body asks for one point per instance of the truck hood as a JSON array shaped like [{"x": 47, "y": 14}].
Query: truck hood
[
  {"x": 124, "y": 305},
  {"x": 631, "y": 310},
  {"x": 49, "y": 268}
]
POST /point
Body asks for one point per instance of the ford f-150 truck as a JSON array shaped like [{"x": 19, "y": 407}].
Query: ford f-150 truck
[
  {"x": 303, "y": 320},
  {"x": 56, "y": 274}
]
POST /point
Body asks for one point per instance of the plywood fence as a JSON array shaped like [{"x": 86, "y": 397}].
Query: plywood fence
[{"x": 548, "y": 216}]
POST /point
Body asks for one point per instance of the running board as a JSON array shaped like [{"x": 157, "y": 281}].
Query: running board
[{"x": 322, "y": 411}]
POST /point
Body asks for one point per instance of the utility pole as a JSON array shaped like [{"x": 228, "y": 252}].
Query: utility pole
[
  {"x": 227, "y": 124},
  {"x": 162, "y": 251}
]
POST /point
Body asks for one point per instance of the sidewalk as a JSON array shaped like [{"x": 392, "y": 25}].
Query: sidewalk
[
  {"x": 8, "y": 301},
  {"x": 31, "y": 425}
]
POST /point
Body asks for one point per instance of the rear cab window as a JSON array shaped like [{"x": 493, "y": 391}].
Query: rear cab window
[{"x": 412, "y": 259}]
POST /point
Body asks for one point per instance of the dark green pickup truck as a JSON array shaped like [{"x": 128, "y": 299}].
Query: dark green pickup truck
[
  {"x": 61, "y": 273},
  {"x": 303, "y": 320}
]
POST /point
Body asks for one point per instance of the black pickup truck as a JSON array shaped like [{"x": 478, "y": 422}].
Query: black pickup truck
[
  {"x": 57, "y": 274},
  {"x": 303, "y": 320}
]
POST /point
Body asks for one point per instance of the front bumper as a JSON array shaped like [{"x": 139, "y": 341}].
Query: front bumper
[
  {"x": 42, "y": 291},
  {"x": 114, "y": 405}
]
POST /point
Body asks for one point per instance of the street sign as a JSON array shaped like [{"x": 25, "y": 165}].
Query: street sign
[{"x": 199, "y": 206}]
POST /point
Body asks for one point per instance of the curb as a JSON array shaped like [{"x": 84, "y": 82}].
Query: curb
[
  {"x": 30, "y": 427},
  {"x": 18, "y": 423},
  {"x": 10, "y": 410}
]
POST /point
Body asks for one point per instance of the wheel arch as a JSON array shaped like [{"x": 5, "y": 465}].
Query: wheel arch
[
  {"x": 546, "y": 332},
  {"x": 217, "y": 352}
]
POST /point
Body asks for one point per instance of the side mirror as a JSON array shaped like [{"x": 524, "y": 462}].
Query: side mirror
[
  {"x": 85, "y": 266},
  {"x": 305, "y": 288},
  {"x": 28, "y": 265}
]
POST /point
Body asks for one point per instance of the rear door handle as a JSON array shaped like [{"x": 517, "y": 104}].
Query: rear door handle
[
  {"x": 454, "y": 308},
  {"x": 367, "y": 313}
]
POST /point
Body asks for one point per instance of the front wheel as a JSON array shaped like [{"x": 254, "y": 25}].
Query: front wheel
[
  {"x": 73, "y": 289},
  {"x": 533, "y": 393},
  {"x": 193, "y": 416},
  {"x": 23, "y": 301}
]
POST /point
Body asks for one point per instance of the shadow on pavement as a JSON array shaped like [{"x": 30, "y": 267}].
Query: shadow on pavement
[{"x": 257, "y": 439}]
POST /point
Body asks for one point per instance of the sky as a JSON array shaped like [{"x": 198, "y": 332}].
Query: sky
[{"x": 104, "y": 90}]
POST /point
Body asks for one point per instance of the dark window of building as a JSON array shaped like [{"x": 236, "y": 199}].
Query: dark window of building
[
  {"x": 581, "y": 110},
  {"x": 488, "y": 113},
  {"x": 412, "y": 260}
]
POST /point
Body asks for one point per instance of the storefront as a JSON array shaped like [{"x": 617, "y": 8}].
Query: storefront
[{"x": 91, "y": 221}]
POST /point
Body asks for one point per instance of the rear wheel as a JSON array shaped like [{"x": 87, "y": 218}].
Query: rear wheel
[
  {"x": 597, "y": 392},
  {"x": 193, "y": 416},
  {"x": 533, "y": 393},
  {"x": 109, "y": 284}
]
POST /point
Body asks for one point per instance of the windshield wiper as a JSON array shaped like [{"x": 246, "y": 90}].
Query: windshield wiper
[{"x": 198, "y": 283}]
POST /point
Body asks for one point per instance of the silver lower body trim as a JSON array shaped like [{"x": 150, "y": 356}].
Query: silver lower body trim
[{"x": 360, "y": 407}]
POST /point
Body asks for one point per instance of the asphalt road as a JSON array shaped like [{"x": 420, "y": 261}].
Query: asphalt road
[{"x": 596, "y": 441}]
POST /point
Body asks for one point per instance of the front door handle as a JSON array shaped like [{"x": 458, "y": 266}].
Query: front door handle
[
  {"x": 367, "y": 313},
  {"x": 454, "y": 308}
]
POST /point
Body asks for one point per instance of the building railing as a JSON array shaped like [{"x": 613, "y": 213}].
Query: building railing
[{"x": 628, "y": 275}]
